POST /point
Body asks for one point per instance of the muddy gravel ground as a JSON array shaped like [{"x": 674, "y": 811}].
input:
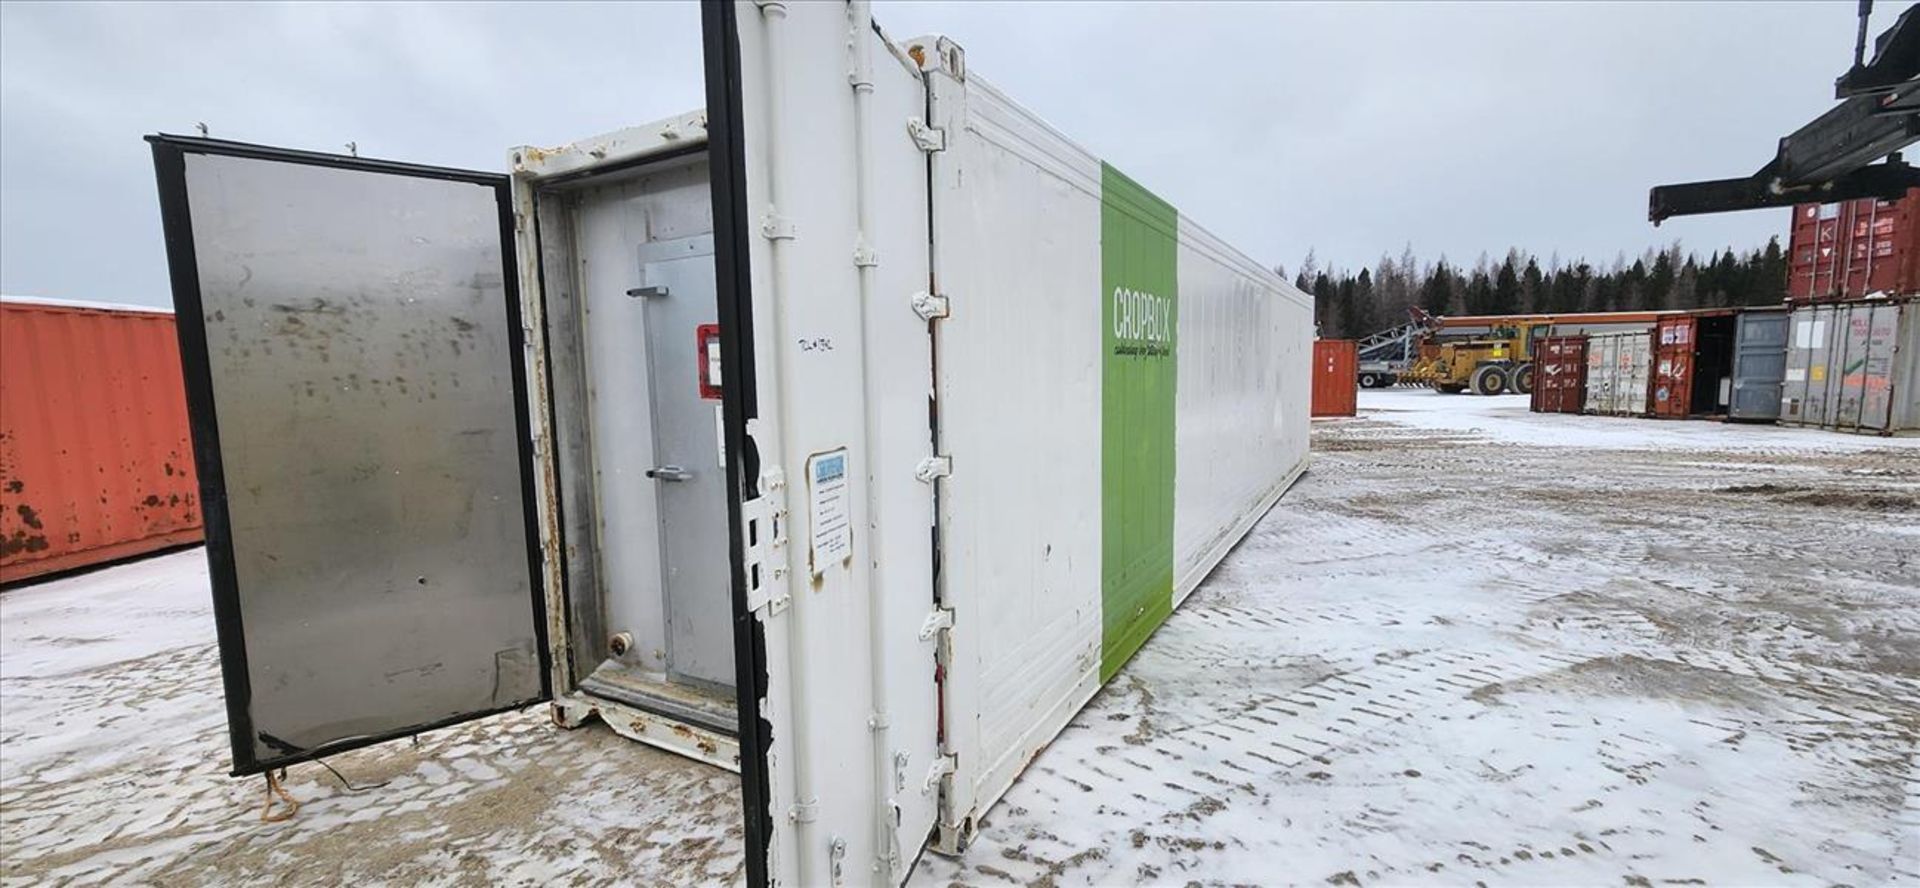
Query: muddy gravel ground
[{"x": 1472, "y": 645}]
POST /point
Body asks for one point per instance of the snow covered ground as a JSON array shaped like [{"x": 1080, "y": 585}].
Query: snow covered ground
[
  {"x": 113, "y": 754},
  {"x": 1473, "y": 644},
  {"x": 1479, "y": 645}
]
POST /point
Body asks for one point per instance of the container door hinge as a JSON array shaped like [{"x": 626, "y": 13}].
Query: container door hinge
[
  {"x": 864, "y": 255},
  {"x": 940, "y": 620},
  {"x": 766, "y": 560},
  {"x": 933, "y": 467},
  {"x": 942, "y": 770},
  {"x": 929, "y": 138},
  {"x": 804, "y": 812},
  {"x": 930, "y": 305},
  {"x": 900, "y": 760},
  {"x": 878, "y": 722},
  {"x": 837, "y": 860},
  {"x": 776, "y": 227},
  {"x": 888, "y": 862}
]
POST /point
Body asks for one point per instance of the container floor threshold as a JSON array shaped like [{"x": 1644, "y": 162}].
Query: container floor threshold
[{"x": 655, "y": 693}]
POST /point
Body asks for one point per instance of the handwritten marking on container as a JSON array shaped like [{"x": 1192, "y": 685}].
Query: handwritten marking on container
[{"x": 828, "y": 500}]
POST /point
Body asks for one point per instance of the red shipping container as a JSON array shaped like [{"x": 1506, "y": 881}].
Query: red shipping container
[
  {"x": 96, "y": 460},
  {"x": 1855, "y": 248},
  {"x": 1336, "y": 377},
  {"x": 1559, "y": 374},
  {"x": 1693, "y": 363},
  {"x": 1673, "y": 340}
]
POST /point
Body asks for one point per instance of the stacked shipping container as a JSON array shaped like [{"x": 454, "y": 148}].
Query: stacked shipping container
[{"x": 1854, "y": 249}]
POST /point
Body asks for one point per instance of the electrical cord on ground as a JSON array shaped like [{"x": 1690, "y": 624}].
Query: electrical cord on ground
[{"x": 347, "y": 783}]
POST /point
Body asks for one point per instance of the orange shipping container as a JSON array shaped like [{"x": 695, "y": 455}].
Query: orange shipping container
[
  {"x": 96, "y": 461},
  {"x": 1336, "y": 386}
]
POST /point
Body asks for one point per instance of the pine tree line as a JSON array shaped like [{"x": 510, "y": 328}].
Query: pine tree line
[{"x": 1347, "y": 305}]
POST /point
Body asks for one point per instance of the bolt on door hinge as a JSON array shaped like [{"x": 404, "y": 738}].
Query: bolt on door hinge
[
  {"x": 777, "y": 227},
  {"x": 804, "y": 812},
  {"x": 929, "y": 138},
  {"x": 933, "y": 467},
  {"x": 930, "y": 305}
]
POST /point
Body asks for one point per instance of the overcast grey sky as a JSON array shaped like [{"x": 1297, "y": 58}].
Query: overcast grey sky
[{"x": 1351, "y": 129}]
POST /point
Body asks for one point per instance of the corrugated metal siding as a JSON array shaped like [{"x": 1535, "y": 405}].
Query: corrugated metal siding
[
  {"x": 1559, "y": 374},
  {"x": 1674, "y": 340},
  {"x": 1852, "y": 367},
  {"x": 1618, "y": 365},
  {"x": 1852, "y": 249},
  {"x": 1336, "y": 388},
  {"x": 96, "y": 462},
  {"x": 1759, "y": 364}
]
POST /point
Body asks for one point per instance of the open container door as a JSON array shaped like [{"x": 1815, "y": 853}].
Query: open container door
[
  {"x": 351, "y": 340},
  {"x": 819, "y": 158}
]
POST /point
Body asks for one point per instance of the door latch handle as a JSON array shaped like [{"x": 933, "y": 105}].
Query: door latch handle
[{"x": 669, "y": 473}]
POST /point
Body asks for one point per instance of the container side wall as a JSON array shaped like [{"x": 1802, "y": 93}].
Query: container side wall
[
  {"x": 96, "y": 462},
  {"x": 1148, "y": 374},
  {"x": 1017, "y": 227},
  {"x": 1244, "y": 402}
]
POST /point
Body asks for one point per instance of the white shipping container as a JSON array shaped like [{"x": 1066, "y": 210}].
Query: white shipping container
[
  {"x": 849, "y": 434},
  {"x": 1618, "y": 373}
]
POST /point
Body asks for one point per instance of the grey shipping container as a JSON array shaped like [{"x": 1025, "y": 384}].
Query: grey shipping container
[
  {"x": 1759, "y": 364},
  {"x": 1854, "y": 366}
]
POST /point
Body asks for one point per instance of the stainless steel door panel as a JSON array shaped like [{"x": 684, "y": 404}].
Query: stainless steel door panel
[{"x": 360, "y": 402}]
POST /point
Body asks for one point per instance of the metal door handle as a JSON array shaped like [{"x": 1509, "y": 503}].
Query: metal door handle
[{"x": 669, "y": 473}]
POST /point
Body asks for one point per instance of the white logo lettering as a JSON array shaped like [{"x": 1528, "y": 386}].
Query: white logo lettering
[{"x": 1142, "y": 316}]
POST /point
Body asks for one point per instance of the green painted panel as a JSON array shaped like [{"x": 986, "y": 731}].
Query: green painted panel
[{"x": 1139, "y": 313}]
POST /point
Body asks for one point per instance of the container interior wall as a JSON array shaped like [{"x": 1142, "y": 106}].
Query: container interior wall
[
  {"x": 96, "y": 462},
  {"x": 627, "y": 282},
  {"x": 1713, "y": 365}
]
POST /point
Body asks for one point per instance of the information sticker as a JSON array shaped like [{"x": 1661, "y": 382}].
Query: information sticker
[{"x": 828, "y": 505}]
